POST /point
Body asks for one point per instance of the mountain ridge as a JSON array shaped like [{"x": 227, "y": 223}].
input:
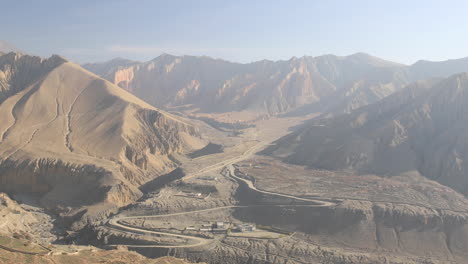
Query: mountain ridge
[
  {"x": 275, "y": 86},
  {"x": 66, "y": 131},
  {"x": 327, "y": 83}
]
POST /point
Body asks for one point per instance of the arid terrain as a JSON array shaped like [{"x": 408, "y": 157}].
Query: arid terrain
[
  {"x": 234, "y": 132},
  {"x": 302, "y": 215},
  {"x": 65, "y": 132},
  {"x": 90, "y": 173},
  {"x": 329, "y": 83}
]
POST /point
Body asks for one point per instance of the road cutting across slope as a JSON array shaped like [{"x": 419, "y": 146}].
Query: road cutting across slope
[
  {"x": 116, "y": 222},
  {"x": 128, "y": 229},
  {"x": 227, "y": 162},
  {"x": 250, "y": 184}
]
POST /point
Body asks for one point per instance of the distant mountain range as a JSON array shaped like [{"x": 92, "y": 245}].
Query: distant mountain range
[
  {"x": 327, "y": 84},
  {"x": 378, "y": 116}
]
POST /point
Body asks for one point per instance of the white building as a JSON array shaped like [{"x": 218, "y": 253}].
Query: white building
[
  {"x": 245, "y": 228},
  {"x": 219, "y": 224}
]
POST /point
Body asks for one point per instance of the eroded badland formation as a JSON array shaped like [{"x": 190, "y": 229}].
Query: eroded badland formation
[{"x": 311, "y": 160}]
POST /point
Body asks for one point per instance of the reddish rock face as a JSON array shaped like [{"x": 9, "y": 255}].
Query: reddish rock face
[
  {"x": 308, "y": 84},
  {"x": 123, "y": 78},
  {"x": 265, "y": 87}
]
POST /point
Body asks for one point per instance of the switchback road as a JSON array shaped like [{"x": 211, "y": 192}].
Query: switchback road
[{"x": 198, "y": 241}]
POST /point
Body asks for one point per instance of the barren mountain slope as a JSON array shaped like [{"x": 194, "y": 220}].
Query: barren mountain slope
[
  {"x": 328, "y": 84},
  {"x": 422, "y": 128},
  {"x": 107, "y": 69},
  {"x": 422, "y": 69},
  {"x": 265, "y": 86},
  {"x": 78, "y": 139}
]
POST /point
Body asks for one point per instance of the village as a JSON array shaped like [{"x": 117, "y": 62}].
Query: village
[{"x": 220, "y": 227}]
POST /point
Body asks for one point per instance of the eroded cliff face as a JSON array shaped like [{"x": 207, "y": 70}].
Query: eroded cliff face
[
  {"x": 265, "y": 86},
  {"x": 124, "y": 77},
  {"x": 39, "y": 176},
  {"x": 353, "y": 232},
  {"x": 382, "y": 228},
  {"x": 328, "y": 84},
  {"x": 32, "y": 68},
  {"x": 14, "y": 218}
]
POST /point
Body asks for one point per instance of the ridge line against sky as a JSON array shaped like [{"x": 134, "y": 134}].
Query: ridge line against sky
[
  {"x": 239, "y": 31},
  {"x": 158, "y": 52}
]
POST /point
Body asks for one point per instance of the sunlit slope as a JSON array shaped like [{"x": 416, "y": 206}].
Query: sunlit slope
[
  {"x": 78, "y": 138},
  {"x": 328, "y": 84},
  {"x": 265, "y": 87}
]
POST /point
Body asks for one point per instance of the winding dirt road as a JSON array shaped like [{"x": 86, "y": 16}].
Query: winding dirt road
[
  {"x": 115, "y": 223},
  {"x": 198, "y": 241},
  {"x": 319, "y": 203},
  {"x": 227, "y": 162}
]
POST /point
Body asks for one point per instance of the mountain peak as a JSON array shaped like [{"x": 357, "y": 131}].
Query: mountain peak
[
  {"x": 361, "y": 55},
  {"x": 13, "y": 56},
  {"x": 376, "y": 61},
  {"x": 121, "y": 60},
  {"x": 56, "y": 57},
  {"x": 165, "y": 56}
]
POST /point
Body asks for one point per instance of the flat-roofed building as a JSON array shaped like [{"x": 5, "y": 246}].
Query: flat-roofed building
[{"x": 245, "y": 228}]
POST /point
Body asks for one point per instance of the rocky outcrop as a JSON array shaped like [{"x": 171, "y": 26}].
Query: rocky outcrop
[
  {"x": 124, "y": 77},
  {"x": 14, "y": 219},
  {"x": 62, "y": 183},
  {"x": 32, "y": 68}
]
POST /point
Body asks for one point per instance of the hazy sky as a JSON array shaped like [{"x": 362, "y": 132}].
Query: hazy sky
[{"x": 240, "y": 30}]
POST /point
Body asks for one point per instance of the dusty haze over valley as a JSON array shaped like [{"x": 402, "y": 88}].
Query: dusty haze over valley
[{"x": 181, "y": 149}]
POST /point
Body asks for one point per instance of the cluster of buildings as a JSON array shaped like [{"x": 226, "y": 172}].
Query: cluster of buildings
[{"x": 220, "y": 227}]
